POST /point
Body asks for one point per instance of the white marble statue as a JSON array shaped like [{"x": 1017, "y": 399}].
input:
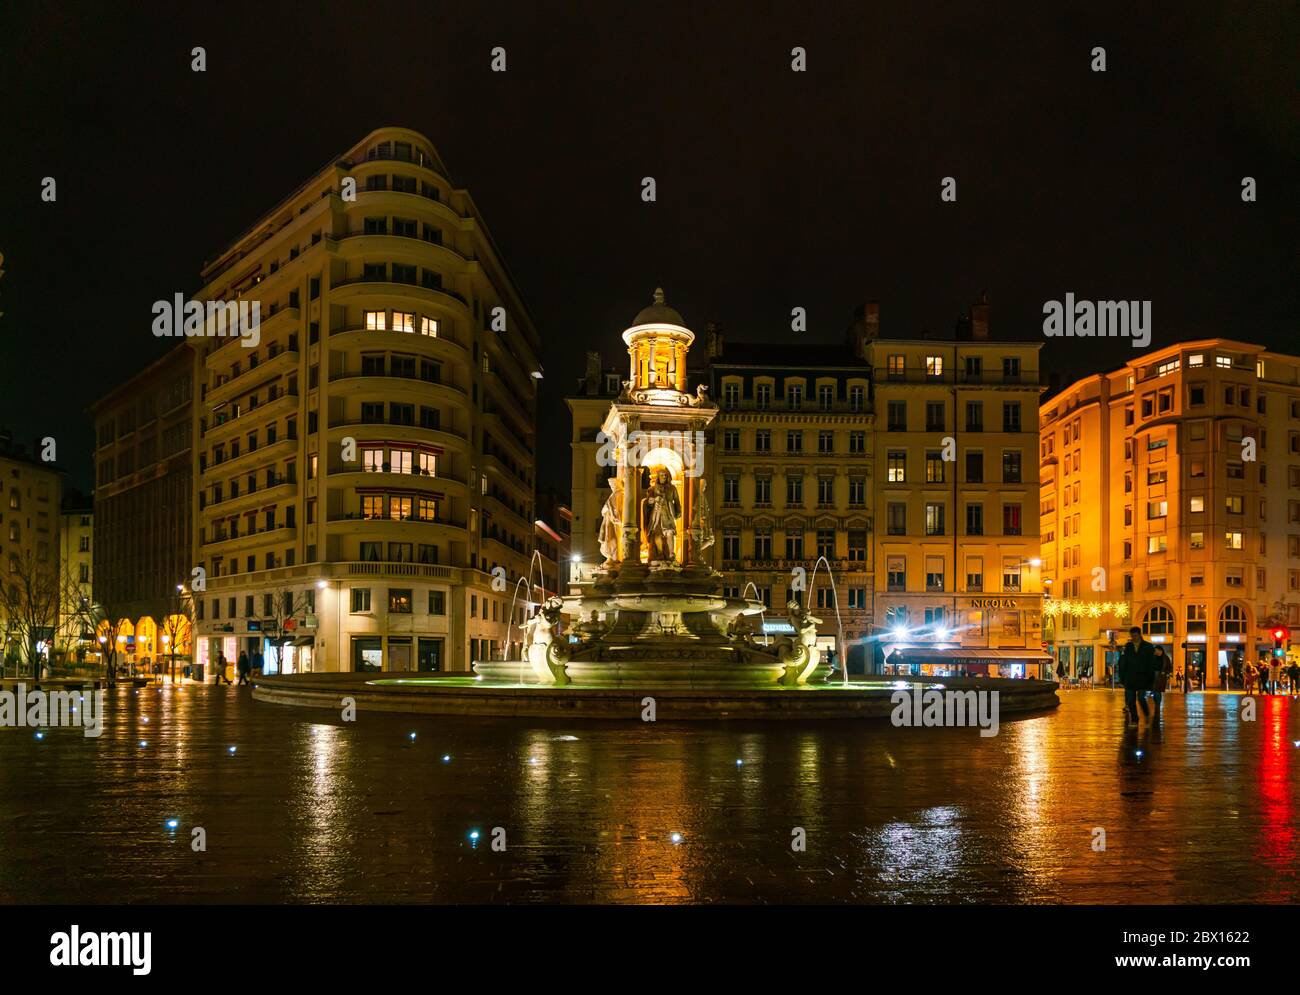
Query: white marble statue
[
  {"x": 611, "y": 521},
  {"x": 703, "y": 520},
  {"x": 802, "y": 657},
  {"x": 539, "y": 633}
]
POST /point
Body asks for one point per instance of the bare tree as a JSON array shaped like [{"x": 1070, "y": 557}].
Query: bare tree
[
  {"x": 105, "y": 621},
  {"x": 76, "y": 628},
  {"x": 177, "y": 624},
  {"x": 287, "y": 613},
  {"x": 29, "y": 599}
]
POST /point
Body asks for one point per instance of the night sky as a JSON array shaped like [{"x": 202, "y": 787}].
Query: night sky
[{"x": 776, "y": 189}]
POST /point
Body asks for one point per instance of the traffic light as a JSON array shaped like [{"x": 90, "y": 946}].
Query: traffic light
[{"x": 1280, "y": 635}]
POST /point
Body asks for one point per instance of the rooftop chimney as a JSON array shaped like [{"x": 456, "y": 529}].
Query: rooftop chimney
[
  {"x": 871, "y": 319},
  {"x": 865, "y": 328},
  {"x": 713, "y": 330},
  {"x": 979, "y": 319}
]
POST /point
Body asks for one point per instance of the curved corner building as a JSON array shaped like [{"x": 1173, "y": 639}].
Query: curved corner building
[{"x": 365, "y": 471}]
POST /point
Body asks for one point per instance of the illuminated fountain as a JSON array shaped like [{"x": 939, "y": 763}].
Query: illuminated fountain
[{"x": 653, "y": 613}]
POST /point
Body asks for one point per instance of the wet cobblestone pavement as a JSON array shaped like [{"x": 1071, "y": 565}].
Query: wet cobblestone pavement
[{"x": 310, "y": 809}]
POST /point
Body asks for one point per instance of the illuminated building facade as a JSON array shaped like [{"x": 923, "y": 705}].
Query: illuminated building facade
[
  {"x": 1172, "y": 486},
  {"x": 30, "y": 494},
  {"x": 955, "y": 500},
  {"x": 791, "y": 483},
  {"x": 364, "y": 487},
  {"x": 76, "y": 565}
]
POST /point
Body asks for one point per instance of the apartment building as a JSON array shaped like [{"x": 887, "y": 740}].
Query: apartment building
[
  {"x": 955, "y": 499},
  {"x": 1170, "y": 498},
  {"x": 76, "y": 565},
  {"x": 144, "y": 472},
  {"x": 364, "y": 486},
  {"x": 790, "y": 483},
  {"x": 30, "y": 494}
]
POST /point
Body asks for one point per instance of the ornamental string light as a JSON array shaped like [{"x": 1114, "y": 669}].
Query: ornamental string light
[{"x": 1093, "y": 609}]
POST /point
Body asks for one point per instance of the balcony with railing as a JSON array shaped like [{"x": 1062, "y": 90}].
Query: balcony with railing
[
  {"x": 233, "y": 465},
  {"x": 277, "y": 488},
  {"x": 229, "y": 420},
  {"x": 403, "y": 288},
  {"x": 361, "y": 517},
  {"x": 267, "y": 533},
  {"x": 418, "y": 242},
  {"x": 250, "y": 376}
]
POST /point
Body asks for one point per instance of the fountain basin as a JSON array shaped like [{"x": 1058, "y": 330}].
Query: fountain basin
[{"x": 466, "y": 695}]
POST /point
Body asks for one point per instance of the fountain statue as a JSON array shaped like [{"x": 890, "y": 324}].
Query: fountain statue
[
  {"x": 611, "y": 520},
  {"x": 662, "y": 509},
  {"x": 543, "y": 653},
  {"x": 801, "y": 656},
  {"x": 702, "y": 522}
]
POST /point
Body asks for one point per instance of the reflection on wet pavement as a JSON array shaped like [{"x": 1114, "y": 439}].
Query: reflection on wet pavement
[{"x": 311, "y": 809}]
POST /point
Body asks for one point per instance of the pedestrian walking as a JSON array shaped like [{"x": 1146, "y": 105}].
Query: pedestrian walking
[
  {"x": 1136, "y": 672},
  {"x": 1159, "y": 681},
  {"x": 243, "y": 667},
  {"x": 1274, "y": 676},
  {"x": 219, "y": 668}
]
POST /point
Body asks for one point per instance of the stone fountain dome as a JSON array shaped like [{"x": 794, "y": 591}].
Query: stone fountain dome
[{"x": 659, "y": 313}]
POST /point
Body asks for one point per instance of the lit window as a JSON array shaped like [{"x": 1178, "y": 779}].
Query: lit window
[
  {"x": 376, "y": 321},
  {"x": 1197, "y": 504},
  {"x": 428, "y": 464},
  {"x": 1197, "y": 359},
  {"x": 934, "y": 366},
  {"x": 372, "y": 460},
  {"x": 403, "y": 321},
  {"x": 428, "y": 510},
  {"x": 1234, "y": 540},
  {"x": 429, "y": 326},
  {"x": 399, "y": 508},
  {"x": 400, "y": 460}
]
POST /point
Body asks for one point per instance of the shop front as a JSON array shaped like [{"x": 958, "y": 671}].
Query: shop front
[
  {"x": 288, "y": 655},
  {"x": 919, "y": 660}
]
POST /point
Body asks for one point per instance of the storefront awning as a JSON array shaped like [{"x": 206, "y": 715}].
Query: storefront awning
[
  {"x": 304, "y": 641},
  {"x": 965, "y": 657}
]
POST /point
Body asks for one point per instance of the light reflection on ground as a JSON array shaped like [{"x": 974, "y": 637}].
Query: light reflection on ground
[{"x": 313, "y": 809}]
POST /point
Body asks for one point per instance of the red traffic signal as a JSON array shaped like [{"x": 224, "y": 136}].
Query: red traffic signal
[{"x": 1280, "y": 634}]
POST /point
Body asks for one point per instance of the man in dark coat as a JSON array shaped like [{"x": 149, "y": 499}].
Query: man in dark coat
[
  {"x": 243, "y": 668},
  {"x": 1137, "y": 672}
]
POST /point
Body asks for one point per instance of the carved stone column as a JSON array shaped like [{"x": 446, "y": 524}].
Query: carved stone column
[{"x": 631, "y": 502}]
